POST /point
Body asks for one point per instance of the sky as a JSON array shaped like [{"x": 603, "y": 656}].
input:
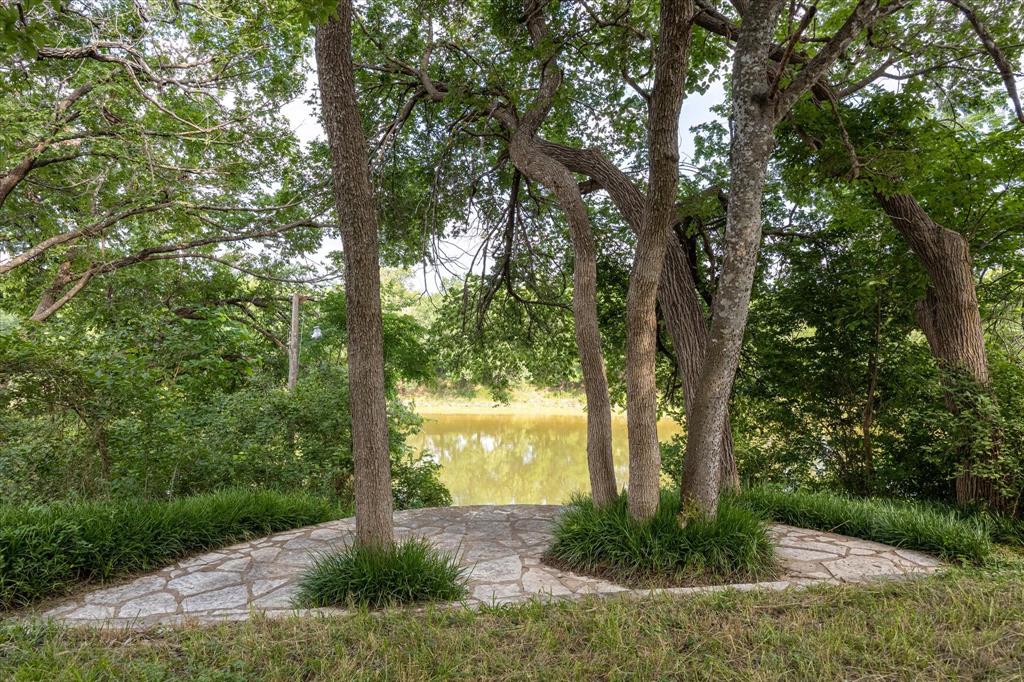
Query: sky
[{"x": 304, "y": 121}]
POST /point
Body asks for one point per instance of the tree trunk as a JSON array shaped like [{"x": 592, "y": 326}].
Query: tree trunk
[
  {"x": 641, "y": 383},
  {"x": 751, "y": 148},
  {"x": 948, "y": 315},
  {"x": 557, "y": 178},
  {"x": 868, "y": 415},
  {"x": 356, "y": 212},
  {"x": 293, "y": 344},
  {"x": 670, "y": 65},
  {"x": 688, "y": 329}
]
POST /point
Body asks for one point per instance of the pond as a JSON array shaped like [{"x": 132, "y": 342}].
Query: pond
[{"x": 516, "y": 458}]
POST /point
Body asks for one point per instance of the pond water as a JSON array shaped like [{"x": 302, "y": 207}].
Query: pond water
[{"x": 519, "y": 459}]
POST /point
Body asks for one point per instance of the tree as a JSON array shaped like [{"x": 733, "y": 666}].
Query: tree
[
  {"x": 666, "y": 100},
  {"x": 890, "y": 147},
  {"x": 357, "y": 213},
  {"x": 758, "y": 104},
  {"x": 136, "y": 136},
  {"x": 533, "y": 163},
  {"x": 481, "y": 84}
]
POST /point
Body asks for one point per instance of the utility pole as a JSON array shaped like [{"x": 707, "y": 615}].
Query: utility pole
[{"x": 293, "y": 344}]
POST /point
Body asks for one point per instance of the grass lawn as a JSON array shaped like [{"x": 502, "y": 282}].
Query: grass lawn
[{"x": 966, "y": 624}]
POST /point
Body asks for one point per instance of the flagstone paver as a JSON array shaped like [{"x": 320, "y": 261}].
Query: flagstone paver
[{"x": 502, "y": 545}]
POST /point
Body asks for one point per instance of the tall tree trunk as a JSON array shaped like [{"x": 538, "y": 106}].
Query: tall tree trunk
[
  {"x": 356, "y": 212},
  {"x": 671, "y": 61},
  {"x": 867, "y": 469},
  {"x": 560, "y": 181},
  {"x": 948, "y": 315},
  {"x": 641, "y": 383},
  {"x": 293, "y": 343},
  {"x": 103, "y": 448},
  {"x": 868, "y": 415},
  {"x": 751, "y": 148}
]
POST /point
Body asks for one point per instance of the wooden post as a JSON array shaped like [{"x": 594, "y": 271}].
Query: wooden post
[{"x": 293, "y": 344}]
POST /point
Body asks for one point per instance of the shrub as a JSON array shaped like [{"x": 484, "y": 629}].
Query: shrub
[
  {"x": 407, "y": 572},
  {"x": 44, "y": 550},
  {"x": 914, "y": 525},
  {"x": 150, "y": 407},
  {"x": 732, "y": 547}
]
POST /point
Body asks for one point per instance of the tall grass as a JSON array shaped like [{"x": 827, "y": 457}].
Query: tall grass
[
  {"x": 912, "y": 525},
  {"x": 1003, "y": 529},
  {"x": 732, "y": 547},
  {"x": 45, "y": 550},
  {"x": 407, "y": 572}
]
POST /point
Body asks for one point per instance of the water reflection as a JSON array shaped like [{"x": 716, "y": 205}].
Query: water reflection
[{"x": 524, "y": 459}]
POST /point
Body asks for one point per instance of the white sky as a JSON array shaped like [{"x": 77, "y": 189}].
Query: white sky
[{"x": 306, "y": 125}]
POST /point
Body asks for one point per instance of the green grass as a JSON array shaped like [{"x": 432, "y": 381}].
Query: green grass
[
  {"x": 962, "y": 624},
  {"x": 920, "y": 526},
  {"x": 407, "y": 572},
  {"x": 733, "y": 547},
  {"x": 1004, "y": 530},
  {"x": 46, "y": 550}
]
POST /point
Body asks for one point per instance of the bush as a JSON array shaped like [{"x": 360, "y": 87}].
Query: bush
[
  {"x": 47, "y": 549},
  {"x": 151, "y": 407},
  {"x": 407, "y": 572},
  {"x": 913, "y": 525},
  {"x": 732, "y": 547}
]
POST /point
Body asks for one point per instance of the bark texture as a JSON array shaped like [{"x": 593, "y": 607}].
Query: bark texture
[
  {"x": 658, "y": 217},
  {"x": 356, "y": 212},
  {"x": 61, "y": 116},
  {"x": 293, "y": 344},
  {"x": 948, "y": 315},
  {"x": 751, "y": 147}
]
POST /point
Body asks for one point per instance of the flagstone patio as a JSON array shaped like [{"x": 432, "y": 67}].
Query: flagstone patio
[{"x": 502, "y": 545}]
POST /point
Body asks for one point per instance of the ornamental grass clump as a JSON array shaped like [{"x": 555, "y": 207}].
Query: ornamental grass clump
[
  {"x": 668, "y": 550},
  {"x": 46, "y": 550},
  {"x": 407, "y": 572},
  {"x": 912, "y": 525}
]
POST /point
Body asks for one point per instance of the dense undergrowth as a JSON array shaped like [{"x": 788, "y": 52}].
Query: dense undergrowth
[
  {"x": 407, "y": 572},
  {"x": 733, "y": 547},
  {"x": 913, "y": 525},
  {"x": 46, "y": 550}
]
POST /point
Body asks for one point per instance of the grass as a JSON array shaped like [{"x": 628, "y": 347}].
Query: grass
[
  {"x": 733, "y": 547},
  {"x": 906, "y": 524},
  {"x": 1004, "y": 530},
  {"x": 962, "y": 624},
  {"x": 407, "y": 572},
  {"x": 47, "y": 550}
]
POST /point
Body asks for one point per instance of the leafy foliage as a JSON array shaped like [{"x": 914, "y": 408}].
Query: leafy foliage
[{"x": 156, "y": 405}]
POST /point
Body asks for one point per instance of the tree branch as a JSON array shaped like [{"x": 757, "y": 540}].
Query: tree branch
[{"x": 1001, "y": 62}]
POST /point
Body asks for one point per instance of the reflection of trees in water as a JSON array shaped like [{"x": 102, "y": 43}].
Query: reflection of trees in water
[{"x": 502, "y": 459}]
